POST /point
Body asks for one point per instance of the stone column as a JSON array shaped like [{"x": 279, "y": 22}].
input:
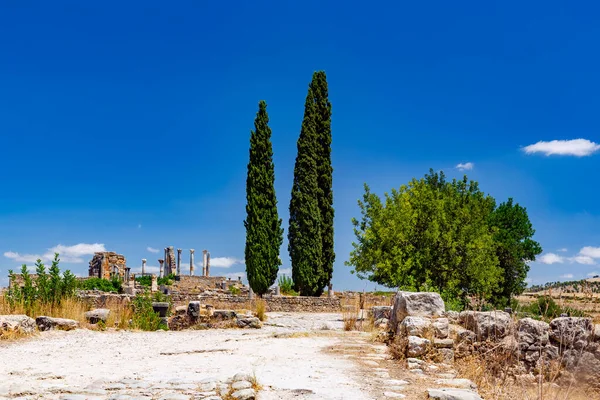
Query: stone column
[
  {"x": 127, "y": 275},
  {"x": 207, "y": 264},
  {"x": 330, "y": 291},
  {"x": 277, "y": 291},
  {"x": 162, "y": 268},
  {"x": 204, "y": 260},
  {"x": 178, "y": 261},
  {"x": 154, "y": 287},
  {"x": 166, "y": 258},
  {"x": 191, "y": 262},
  {"x": 143, "y": 266},
  {"x": 250, "y": 293}
]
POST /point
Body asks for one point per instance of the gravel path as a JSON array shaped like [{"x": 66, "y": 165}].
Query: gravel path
[{"x": 287, "y": 357}]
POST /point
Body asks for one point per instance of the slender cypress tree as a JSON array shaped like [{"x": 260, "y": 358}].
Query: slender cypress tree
[
  {"x": 325, "y": 175},
  {"x": 304, "y": 233},
  {"x": 264, "y": 234}
]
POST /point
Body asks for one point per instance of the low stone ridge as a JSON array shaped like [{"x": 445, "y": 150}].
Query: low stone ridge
[
  {"x": 97, "y": 315},
  {"x": 48, "y": 323},
  {"x": 571, "y": 331},
  {"x": 20, "y": 323}
]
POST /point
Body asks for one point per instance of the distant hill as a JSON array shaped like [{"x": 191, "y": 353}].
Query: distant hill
[{"x": 591, "y": 285}]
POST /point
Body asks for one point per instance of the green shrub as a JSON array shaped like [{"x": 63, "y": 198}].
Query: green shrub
[
  {"x": 144, "y": 317},
  {"x": 286, "y": 286},
  {"x": 167, "y": 280},
  {"x": 104, "y": 285},
  {"x": 145, "y": 280},
  {"x": 234, "y": 290},
  {"x": 546, "y": 308}
]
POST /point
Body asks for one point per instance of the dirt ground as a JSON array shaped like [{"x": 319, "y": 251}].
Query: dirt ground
[{"x": 294, "y": 356}]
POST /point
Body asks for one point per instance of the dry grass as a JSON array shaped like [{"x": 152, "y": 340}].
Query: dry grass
[
  {"x": 260, "y": 308},
  {"x": 354, "y": 314}
]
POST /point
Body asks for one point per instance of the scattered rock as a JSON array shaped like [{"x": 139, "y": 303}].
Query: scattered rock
[
  {"x": 224, "y": 314},
  {"x": 239, "y": 385},
  {"x": 97, "y": 315},
  {"x": 440, "y": 327},
  {"x": 453, "y": 394},
  {"x": 49, "y": 323},
  {"x": 249, "y": 322},
  {"x": 394, "y": 395},
  {"x": 244, "y": 394},
  {"x": 21, "y": 323},
  {"x": 417, "y": 346},
  {"x": 487, "y": 324},
  {"x": 571, "y": 331},
  {"x": 381, "y": 323},
  {"x": 193, "y": 309},
  {"x": 531, "y": 331},
  {"x": 414, "y": 326},
  {"x": 416, "y": 304},
  {"x": 443, "y": 343}
]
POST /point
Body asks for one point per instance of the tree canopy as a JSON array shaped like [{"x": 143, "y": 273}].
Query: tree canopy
[{"x": 432, "y": 234}]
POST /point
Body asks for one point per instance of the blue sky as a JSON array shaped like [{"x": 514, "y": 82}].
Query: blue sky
[{"x": 125, "y": 125}]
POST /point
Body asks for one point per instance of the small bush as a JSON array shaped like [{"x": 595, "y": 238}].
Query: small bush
[
  {"x": 286, "y": 286},
  {"x": 144, "y": 317},
  {"x": 104, "y": 285},
  {"x": 145, "y": 280},
  {"x": 166, "y": 280},
  {"x": 547, "y": 309},
  {"x": 234, "y": 290}
]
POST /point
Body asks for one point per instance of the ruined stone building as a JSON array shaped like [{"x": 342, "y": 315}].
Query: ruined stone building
[{"x": 108, "y": 264}]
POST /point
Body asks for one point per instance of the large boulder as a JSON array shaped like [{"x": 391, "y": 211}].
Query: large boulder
[
  {"x": 597, "y": 333},
  {"x": 97, "y": 315},
  {"x": 531, "y": 332},
  {"x": 49, "y": 323},
  {"x": 193, "y": 309},
  {"x": 248, "y": 322},
  {"x": 572, "y": 331},
  {"x": 487, "y": 324},
  {"x": 415, "y": 326},
  {"x": 20, "y": 323},
  {"x": 416, "y": 304},
  {"x": 417, "y": 346},
  {"x": 380, "y": 312}
]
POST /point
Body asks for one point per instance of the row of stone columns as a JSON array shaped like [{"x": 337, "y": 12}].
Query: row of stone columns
[{"x": 165, "y": 265}]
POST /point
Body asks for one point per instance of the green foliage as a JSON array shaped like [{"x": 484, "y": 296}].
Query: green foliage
[
  {"x": 264, "y": 234},
  {"x": 286, "y": 286},
  {"x": 310, "y": 234},
  {"x": 322, "y": 115},
  {"x": 165, "y": 280},
  {"x": 47, "y": 289},
  {"x": 515, "y": 248},
  {"x": 429, "y": 235},
  {"x": 144, "y": 317},
  {"x": 546, "y": 308},
  {"x": 305, "y": 225},
  {"x": 145, "y": 280},
  {"x": 234, "y": 290},
  {"x": 103, "y": 285}
]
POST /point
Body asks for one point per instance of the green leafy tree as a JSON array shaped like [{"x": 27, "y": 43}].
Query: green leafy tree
[
  {"x": 27, "y": 290},
  {"x": 515, "y": 248},
  {"x": 41, "y": 281},
  {"x": 305, "y": 243},
  {"x": 429, "y": 234},
  {"x": 322, "y": 115},
  {"x": 69, "y": 284},
  {"x": 55, "y": 287},
  {"x": 264, "y": 234}
]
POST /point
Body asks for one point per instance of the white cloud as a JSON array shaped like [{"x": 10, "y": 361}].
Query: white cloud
[
  {"x": 567, "y": 276},
  {"x": 236, "y": 275},
  {"x": 564, "y": 250},
  {"x": 68, "y": 254},
  {"x": 594, "y": 273},
  {"x": 465, "y": 167},
  {"x": 285, "y": 271},
  {"x": 584, "y": 260},
  {"x": 150, "y": 269},
  {"x": 593, "y": 252},
  {"x": 551, "y": 258},
  {"x": 26, "y": 258},
  {"x": 224, "y": 262},
  {"x": 152, "y": 249},
  {"x": 576, "y": 147}
]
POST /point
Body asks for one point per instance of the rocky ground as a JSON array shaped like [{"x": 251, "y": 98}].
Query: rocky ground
[{"x": 294, "y": 356}]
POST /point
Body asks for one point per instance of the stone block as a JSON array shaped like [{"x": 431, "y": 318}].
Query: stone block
[
  {"x": 440, "y": 327},
  {"x": 161, "y": 308},
  {"x": 97, "y": 315},
  {"x": 21, "y": 323},
  {"x": 571, "y": 331},
  {"x": 487, "y": 324},
  {"x": 417, "y": 346},
  {"x": 453, "y": 394},
  {"x": 48, "y": 323},
  {"x": 415, "y": 326},
  {"x": 416, "y": 304}
]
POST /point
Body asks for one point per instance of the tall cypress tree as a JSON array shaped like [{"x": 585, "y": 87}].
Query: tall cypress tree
[
  {"x": 304, "y": 233},
  {"x": 264, "y": 234},
  {"x": 325, "y": 174}
]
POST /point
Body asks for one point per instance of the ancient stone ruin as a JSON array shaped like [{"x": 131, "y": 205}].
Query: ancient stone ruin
[{"x": 108, "y": 264}]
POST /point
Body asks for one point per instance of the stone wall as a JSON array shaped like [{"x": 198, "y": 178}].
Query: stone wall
[
  {"x": 273, "y": 303},
  {"x": 186, "y": 284},
  {"x": 106, "y": 264},
  {"x": 98, "y": 299}
]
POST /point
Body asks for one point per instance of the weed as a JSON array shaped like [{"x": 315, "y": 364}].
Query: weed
[{"x": 261, "y": 309}]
